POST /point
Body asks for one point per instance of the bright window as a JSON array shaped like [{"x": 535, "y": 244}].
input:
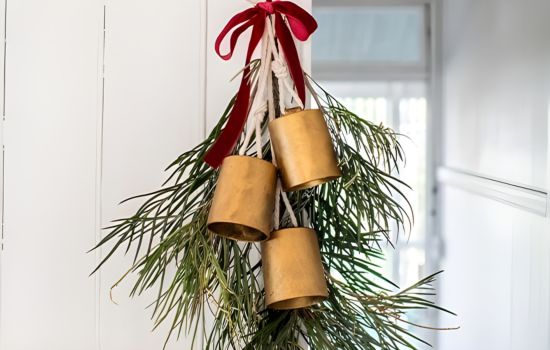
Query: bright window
[
  {"x": 369, "y": 34},
  {"x": 375, "y": 60}
]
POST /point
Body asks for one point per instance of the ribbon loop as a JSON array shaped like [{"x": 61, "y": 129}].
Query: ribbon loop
[{"x": 301, "y": 25}]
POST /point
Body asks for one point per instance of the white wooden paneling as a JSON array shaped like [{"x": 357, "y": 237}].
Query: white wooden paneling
[
  {"x": 495, "y": 132},
  {"x": 496, "y": 88},
  {"x": 152, "y": 114},
  {"x": 101, "y": 96},
  {"x": 48, "y": 300},
  {"x": 496, "y": 278}
]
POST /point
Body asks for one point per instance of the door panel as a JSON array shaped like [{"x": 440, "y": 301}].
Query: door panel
[
  {"x": 100, "y": 97},
  {"x": 152, "y": 114},
  {"x": 50, "y": 133}
]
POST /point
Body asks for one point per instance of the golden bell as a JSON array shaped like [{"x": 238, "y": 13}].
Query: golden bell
[
  {"x": 304, "y": 150},
  {"x": 293, "y": 273},
  {"x": 243, "y": 204}
]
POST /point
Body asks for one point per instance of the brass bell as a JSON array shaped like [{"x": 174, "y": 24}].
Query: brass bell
[
  {"x": 304, "y": 150},
  {"x": 293, "y": 273},
  {"x": 243, "y": 203}
]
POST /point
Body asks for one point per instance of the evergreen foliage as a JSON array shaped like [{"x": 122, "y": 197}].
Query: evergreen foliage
[{"x": 200, "y": 276}]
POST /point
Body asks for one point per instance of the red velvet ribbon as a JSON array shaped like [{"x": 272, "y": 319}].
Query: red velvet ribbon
[{"x": 298, "y": 23}]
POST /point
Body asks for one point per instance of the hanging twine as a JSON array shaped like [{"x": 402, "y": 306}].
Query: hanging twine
[
  {"x": 259, "y": 105},
  {"x": 263, "y": 104},
  {"x": 281, "y": 73},
  {"x": 280, "y": 69},
  {"x": 299, "y": 25}
]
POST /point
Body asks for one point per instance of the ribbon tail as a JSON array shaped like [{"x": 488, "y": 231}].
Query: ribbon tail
[
  {"x": 228, "y": 138},
  {"x": 226, "y": 142},
  {"x": 291, "y": 54}
]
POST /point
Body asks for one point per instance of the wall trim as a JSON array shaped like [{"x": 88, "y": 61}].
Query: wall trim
[
  {"x": 3, "y": 50},
  {"x": 102, "y": 36},
  {"x": 532, "y": 199}
]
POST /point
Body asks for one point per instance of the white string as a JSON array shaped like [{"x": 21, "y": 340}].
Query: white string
[
  {"x": 305, "y": 218},
  {"x": 258, "y": 122},
  {"x": 270, "y": 102},
  {"x": 255, "y": 110},
  {"x": 279, "y": 193},
  {"x": 281, "y": 72},
  {"x": 271, "y": 116},
  {"x": 289, "y": 209},
  {"x": 278, "y": 68},
  {"x": 259, "y": 105}
]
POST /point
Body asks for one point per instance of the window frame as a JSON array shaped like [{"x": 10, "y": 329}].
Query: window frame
[{"x": 379, "y": 71}]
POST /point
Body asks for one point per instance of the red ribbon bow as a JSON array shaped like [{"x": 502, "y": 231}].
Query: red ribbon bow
[{"x": 302, "y": 25}]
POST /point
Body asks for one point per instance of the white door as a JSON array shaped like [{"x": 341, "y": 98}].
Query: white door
[{"x": 100, "y": 96}]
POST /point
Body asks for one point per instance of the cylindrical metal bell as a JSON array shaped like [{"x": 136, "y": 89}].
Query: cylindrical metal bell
[
  {"x": 243, "y": 203},
  {"x": 292, "y": 269},
  {"x": 304, "y": 150}
]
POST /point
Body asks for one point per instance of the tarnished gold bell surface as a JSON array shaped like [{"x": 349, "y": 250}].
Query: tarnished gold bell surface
[
  {"x": 292, "y": 269},
  {"x": 303, "y": 148},
  {"x": 243, "y": 203}
]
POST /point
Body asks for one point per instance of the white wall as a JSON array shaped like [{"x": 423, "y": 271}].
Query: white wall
[
  {"x": 496, "y": 55},
  {"x": 494, "y": 175},
  {"x": 93, "y": 117}
]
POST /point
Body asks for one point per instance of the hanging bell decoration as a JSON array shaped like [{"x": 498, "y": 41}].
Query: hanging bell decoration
[
  {"x": 292, "y": 269},
  {"x": 304, "y": 150},
  {"x": 243, "y": 203}
]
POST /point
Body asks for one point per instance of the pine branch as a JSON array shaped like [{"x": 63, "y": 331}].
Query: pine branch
[{"x": 196, "y": 272}]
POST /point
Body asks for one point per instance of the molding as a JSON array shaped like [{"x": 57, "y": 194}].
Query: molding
[
  {"x": 102, "y": 8},
  {"x": 3, "y": 46},
  {"x": 534, "y": 200}
]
